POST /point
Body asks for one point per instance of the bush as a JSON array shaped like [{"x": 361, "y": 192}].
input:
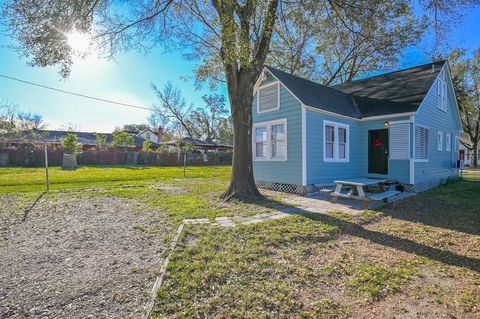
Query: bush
[{"x": 70, "y": 144}]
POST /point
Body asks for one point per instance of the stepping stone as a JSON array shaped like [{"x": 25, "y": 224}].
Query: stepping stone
[{"x": 196, "y": 221}]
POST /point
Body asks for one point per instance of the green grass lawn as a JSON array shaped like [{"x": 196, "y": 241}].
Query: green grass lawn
[
  {"x": 33, "y": 179},
  {"x": 419, "y": 258}
]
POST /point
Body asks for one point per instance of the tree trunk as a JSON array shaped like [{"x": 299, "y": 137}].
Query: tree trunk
[{"x": 242, "y": 185}]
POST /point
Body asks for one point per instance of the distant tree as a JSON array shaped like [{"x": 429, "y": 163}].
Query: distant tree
[
  {"x": 8, "y": 111},
  {"x": 100, "y": 141},
  {"x": 29, "y": 121},
  {"x": 135, "y": 127},
  {"x": 173, "y": 110},
  {"x": 147, "y": 146},
  {"x": 198, "y": 122},
  {"x": 207, "y": 121},
  {"x": 225, "y": 131},
  {"x": 466, "y": 79},
  {"x": 122, "y": 140},
  {"x": 70, "y": 144}
]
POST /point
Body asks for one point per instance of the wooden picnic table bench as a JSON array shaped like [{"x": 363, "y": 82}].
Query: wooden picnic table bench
[{"x": 358, "y": 190}]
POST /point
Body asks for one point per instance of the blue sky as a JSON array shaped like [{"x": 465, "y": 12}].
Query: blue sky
[{"x": 128, "y": 79}]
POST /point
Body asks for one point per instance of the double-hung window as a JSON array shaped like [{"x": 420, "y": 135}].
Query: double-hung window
[
  {"x": 448, "y": 142},
  {"x": 336, "y": 142},
  {"x": 439, "y": 141},
  {"x": 270, "y": 140},
  {"x": 260, "y": 142}
]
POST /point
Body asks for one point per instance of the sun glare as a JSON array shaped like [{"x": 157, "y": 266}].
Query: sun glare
[{"x": 78, "y": 41}]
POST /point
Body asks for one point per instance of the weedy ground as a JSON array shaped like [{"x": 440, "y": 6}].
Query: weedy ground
[{"x": 418, "y": 258}]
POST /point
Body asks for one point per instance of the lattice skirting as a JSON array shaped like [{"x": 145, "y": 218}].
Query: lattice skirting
[
  {"x": 287, "y": 188},
  {"x": 409, "y": 188},
  {"x": 304, "y": 190}
]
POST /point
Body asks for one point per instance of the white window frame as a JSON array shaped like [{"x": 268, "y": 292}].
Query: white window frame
[
  {"x": 442, "y": 92},
  {"x": 254, "y": 142},
  {"x": 277, "y": 83},
  {"x": 421, "y": 160},
  {"x": 336, "y": 142},
  {"x": 448, "y": 142},
  {"x": 268, "y": 125},
  {"x": 440, "y": 141}
]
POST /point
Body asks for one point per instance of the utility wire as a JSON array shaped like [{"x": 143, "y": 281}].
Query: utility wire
[{"x": 76, "y": 94}]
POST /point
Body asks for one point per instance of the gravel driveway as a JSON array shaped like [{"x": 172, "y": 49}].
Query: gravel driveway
[{"x": 81, "y": 257}]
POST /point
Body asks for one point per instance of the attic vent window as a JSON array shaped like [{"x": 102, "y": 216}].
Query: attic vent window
[
  {"x": 268, "y": 98},
  {"x": 442, "y": 92}
]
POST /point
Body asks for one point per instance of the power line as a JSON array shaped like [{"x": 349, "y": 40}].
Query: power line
[{"x": 76, "y": 94}]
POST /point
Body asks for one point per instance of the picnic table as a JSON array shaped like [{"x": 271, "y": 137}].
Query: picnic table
[{"x": 358, "y": 190}]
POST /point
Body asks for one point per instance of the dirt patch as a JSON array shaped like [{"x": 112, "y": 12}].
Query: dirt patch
[
  {"x": 170, "y": 189},
  {"x": 81, "y": 257}
]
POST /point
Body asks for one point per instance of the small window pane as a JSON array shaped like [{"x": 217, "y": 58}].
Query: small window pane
[
  {"x": 329, "y": 133},
  {"x": 278, "y": 141},
  {"x": 342, "y": 151},
  {"x": 342, "y": 143},
  {"x": 329, "y": 141},
  {"x": 260, "y": 142}
]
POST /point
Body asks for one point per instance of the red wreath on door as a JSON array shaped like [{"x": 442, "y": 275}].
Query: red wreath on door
[{"x": 377, "y": 142}]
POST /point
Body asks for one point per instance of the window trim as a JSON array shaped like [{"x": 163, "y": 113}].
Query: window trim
[
  {"x": 336, "y": 142},
  {"x": 421, "y": 160},
  {"x": 442, "y": 89},
  {"x": 278, "y": 97},
  {"x": 440, "y": 142},
  {"x": 448, "y": 142},
  {"x": 268, "y": 126}
]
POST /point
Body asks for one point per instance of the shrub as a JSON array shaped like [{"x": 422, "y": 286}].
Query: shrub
[{"x": 70, "y": 144}]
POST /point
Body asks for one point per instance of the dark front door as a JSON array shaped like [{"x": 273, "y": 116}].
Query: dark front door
[{"x": 378, "y": 151}]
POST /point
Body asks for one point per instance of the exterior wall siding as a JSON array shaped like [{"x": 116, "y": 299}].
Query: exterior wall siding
[
  {"x": 289, "y": 171},
  {"x": 397, "y": 169},
  {"x": 321, "y": 172},
  {"x": 439, "y": 165}
]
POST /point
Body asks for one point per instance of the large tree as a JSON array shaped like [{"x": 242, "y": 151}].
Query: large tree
[
  {"x": 333, "y": 43},
  {"x": 466, "y": 80},
  {"x": 231, "y": 38}
]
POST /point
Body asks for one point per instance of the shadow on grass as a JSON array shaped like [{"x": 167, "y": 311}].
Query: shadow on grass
[
  {"x": 453, "y": 206},
  {"x": 406, "y": 245}
]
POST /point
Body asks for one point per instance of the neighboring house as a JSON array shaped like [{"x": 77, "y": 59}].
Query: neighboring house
[
  {"x": 198, "y": 144},
  {"x": 401, "y": 125},
  {"x": 54, "y": 137},
  {"x": 148, "y": 134},
  {"x": 466, "y": 154}
]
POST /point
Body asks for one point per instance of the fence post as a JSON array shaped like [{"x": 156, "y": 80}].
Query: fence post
[
  {"x": 184, "y": 164},
  {"x": 46, "y": 167}
]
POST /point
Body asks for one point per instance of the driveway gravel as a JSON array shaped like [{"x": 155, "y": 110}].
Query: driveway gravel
[{"x": 81, "y": 257}]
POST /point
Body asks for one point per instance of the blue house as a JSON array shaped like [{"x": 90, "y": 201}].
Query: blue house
[{"x": 403, "y": 125}]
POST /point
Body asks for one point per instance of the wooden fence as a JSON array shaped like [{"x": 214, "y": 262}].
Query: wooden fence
[{"x": 34, "y": 157}]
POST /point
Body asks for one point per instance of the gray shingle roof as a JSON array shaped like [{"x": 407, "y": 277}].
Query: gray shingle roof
[
  {"x": 390, "y": 93},
  {"x": 317, "y": 95}
]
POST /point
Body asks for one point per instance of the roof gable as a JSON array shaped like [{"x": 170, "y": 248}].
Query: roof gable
[{"x": 391, "y": 93}]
